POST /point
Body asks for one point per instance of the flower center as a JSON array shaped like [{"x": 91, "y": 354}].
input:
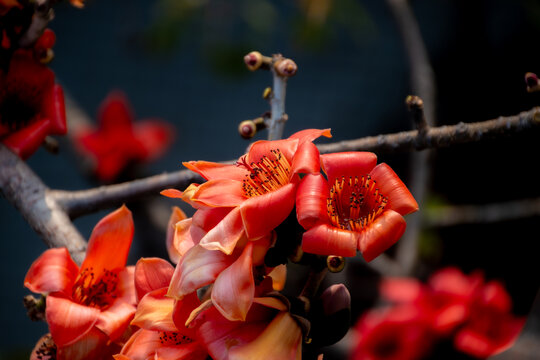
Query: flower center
[
  {"x": 354, "y": 202},
  {"x": 267, "y": 175},
  {"x": 98, "y": 293},
  {"x": 173, "y": 338}
]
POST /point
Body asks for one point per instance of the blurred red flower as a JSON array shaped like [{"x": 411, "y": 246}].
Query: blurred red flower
[
  {"x": 119, "y": 142},
  {"x": 31, "y": 104}
]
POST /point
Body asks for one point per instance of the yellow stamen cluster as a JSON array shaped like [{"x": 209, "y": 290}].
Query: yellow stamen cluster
[
  {"x": 269, "y": 174},
  {"x": 98, "y": 293},
  {"x": 354, "y": 202}
]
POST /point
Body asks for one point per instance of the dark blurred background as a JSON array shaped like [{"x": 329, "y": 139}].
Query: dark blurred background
[{"x": 181, "y": 60}]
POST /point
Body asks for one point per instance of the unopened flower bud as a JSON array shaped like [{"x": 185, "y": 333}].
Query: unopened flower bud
[
  {"x": 336, "y": 298},
  {"x": 531, "y": 79},
  {"x": 46, "y": 57},
  {"x": 253, "y": 60},
  {"x": 267, "y": 93},
  {"x": 285, "y": 67},
  {"x": 335, "y": 263},
  {"x": 247, "y": 129}
]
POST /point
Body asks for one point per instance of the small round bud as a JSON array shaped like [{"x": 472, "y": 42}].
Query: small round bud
[
  {"x": 413, "y": 101},
  {"x": 267, "y": 93},
  {"x": 335, "y": 263},
  {"x": 531, "y": 79},
  {"x": 247, "y": 129},
  {"x": 253, "y": 60},
  {"x": 285, "y": 67},
  {"x": 46, "y": 57}
]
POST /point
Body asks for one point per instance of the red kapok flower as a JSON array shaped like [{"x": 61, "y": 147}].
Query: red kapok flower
[
  {"x": 162, "y": 333},
  {"x": 359, "y": 207},
  {"x": 252, "y": 197},
  {"x": 89, "y": 307},
  {"x": 119, "y": 141},
  {"x": 31, "y": 104}
]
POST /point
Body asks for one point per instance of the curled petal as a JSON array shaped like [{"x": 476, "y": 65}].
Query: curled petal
[
  {"x": 306, "y": 160},
  {"x": 176, "y": 215},
  {"x": 493, "y": 295},
  {"x": 220, "y": 193},
  {"x": 199, "y": 267},
  {"x": 357, "y": 163},
  {"x": 282, "y": 338},
  {"x": 53, "y": 271},
  {"x": 279, "y": 276},
  {"x": 152, "y": 274},
  {"x": 400, "y": 198},
  {"x": 27, "y": 140},
  {"x": 261, "y": 214},
  {"x": 182, "y": 240},
  {"x": 115, "y": 319},
  {"x": 126, "y": 285},
  {"x": 56, "y": 111},
  {"x": 172, "y": 193},
  {"x": 325, "y": 239},
  {"x": 225, "y": 234},
  {"x": 210, "y": 170},
  {"x": 154, "y": 312},
  {"x": 110, "y": 241},
  {"x": 310, "y": 134},
  {"x": 234, "y": 288},
  {"x": 382, "y": 233},
  {"x": 311, "y": 198},
  {"x": 182, "y": 312},
  {"x": 68, "y": 321}
]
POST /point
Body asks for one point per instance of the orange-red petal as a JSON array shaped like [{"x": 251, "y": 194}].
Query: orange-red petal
[
  {"x": 152, "y": 274},
  {"x": 234, "y": 288},
  {"x": 155, "y": 312},
  {"x": 110, "y": 241},
  {"x": 211, "y": 170},
  {"x": 68, "y": 321},
  {"x": 53, "y": 271},
  {"x": 306, "y": 159},
  {"x": 390, "y": 185},
  {"x": 310, "y": 134},
  {"x": 324, "y": 239},
  {"x": 225, "y": 234},
  {"x": 199, "y": 267},
  {"x": 382, "y": 233},
  {"x": 311, "y": 198},
  {"x": 262, "y": 148},
  {"x": 261, "y": 214},
  {"x": 182, "y": 240},
  {"x": 182, "y": 311},
  {"x": 354, "y": 163},
  {"x": 93, "y": 345},
  {"x": 115, "y": 319},
  {"x": 220, "y": 193},
  {"x": 176, "y": 215}
]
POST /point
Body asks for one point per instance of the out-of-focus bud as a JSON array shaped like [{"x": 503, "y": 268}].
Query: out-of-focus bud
[
  {"x": 332, "y": 314},
  {"x": 335, "y": 263},
  {"x": 43, "y": 46},
  {"x": 531, "y": 79},
  {"x": 285, "y": 67},
  {"x": 267, "y": 93},
  {"x": 248, "y": 128},
  {"x": 253, "y": 60}
]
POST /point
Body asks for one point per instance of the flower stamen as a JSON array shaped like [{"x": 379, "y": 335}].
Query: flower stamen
[
  {"x": 98, "y": 293},
  {"x": 354, "y": 203},
  {"x": 269, "y": 174}
]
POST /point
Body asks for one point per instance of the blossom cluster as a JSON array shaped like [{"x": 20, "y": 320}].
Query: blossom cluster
[
  {"x": 222, "y": 299},
  {"x": 472, "y": 313}
]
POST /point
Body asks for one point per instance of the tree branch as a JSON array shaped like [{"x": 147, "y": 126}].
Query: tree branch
[{"x": 24, "y": 190}]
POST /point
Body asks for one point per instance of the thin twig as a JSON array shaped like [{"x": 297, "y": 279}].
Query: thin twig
[
  {"x": 81, "y": 202},
  {"x": 278, "y": 117},
  {"x": 24, "y": 190},
  {"x": 482, "y": 214}
]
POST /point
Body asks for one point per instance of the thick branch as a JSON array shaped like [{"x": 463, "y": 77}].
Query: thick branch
[
  {"x": 22, "y": 188},
  {"x": 81, "y": 202}
]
